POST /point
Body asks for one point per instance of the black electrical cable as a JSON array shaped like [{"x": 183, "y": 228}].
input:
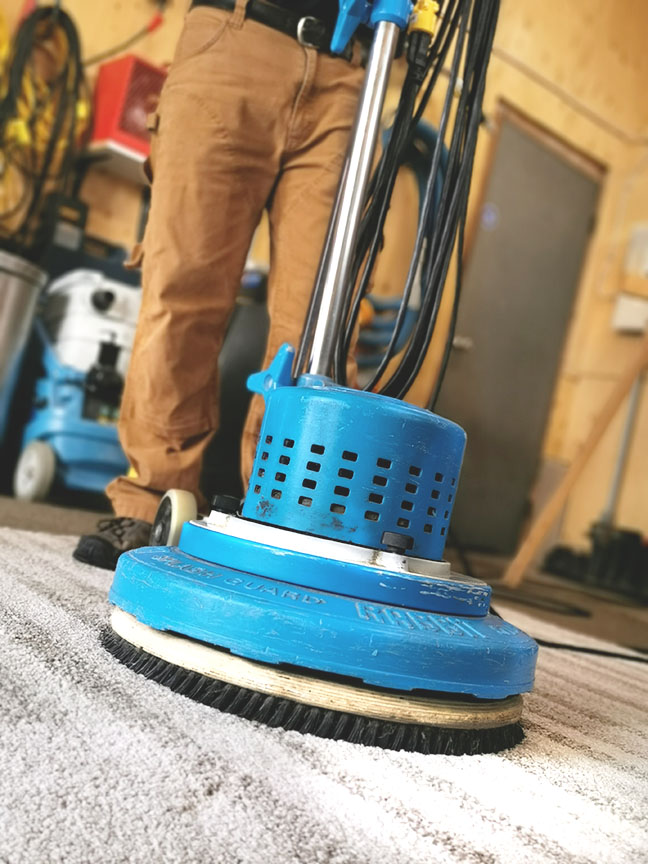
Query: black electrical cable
[
  {"x": 449, "y": 19},
  {"x": 383, "y": 179},
  {"x": 439, "y": 248},
  {"x": 581, "y": 649},
  {"x": 596, "y": 652},
  {"x": 454, "y": 314},
  {"x": 455, "y": 306},
  {"x": 423, "y": 239},
  {"x": 371, "y": 229},
  {"x": 456, "y": 184},
  {"x": 425, "y": 60},
  {"x": 466, "y": 27},
  {"x": 545, "y": 643}
]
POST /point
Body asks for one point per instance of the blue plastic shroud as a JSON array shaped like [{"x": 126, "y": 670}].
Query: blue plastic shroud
[
  {"x": 325, "y": 606},
  {"x": 455, "y": 595},
  {"x": 88, "y": 453},
  {"x": 350, "y": 465},
  {"x": 278, "y": 622}
]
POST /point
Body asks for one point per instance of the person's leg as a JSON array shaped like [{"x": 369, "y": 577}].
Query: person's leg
[
  {"x": 212, "y": 177},
  {"x": 301, "y": 206},
  {"x": 226, "y": 102}
]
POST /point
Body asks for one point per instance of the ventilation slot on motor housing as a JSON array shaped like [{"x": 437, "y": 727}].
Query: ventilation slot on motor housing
[{"x": 341, "y": 481}]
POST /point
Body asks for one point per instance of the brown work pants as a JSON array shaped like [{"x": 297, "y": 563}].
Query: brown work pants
[{"x": 247, "y": 119}]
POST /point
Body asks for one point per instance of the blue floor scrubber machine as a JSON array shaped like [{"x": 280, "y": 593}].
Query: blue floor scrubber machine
[
  {"x": 85, "y": 328},
  {"x": 322, "y": 602}
]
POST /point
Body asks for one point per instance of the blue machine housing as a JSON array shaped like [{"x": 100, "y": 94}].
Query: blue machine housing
[
  {"x": 308, "y": 569},
  {"x": 277, "y": 622},
  {"x": 315, "y": 605},
  {"x": 88, "y": 453},
  {"x": 351, "y": 465},
  {"x": 340, "y": 467}
]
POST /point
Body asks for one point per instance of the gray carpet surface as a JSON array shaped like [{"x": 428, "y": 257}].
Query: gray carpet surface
[{"x": 98, "y": 764}]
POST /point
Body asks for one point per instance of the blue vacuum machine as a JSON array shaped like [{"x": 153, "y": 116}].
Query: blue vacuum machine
[
  {"x": 85, "y": 328},
  {"x": 322, "y": 602}
]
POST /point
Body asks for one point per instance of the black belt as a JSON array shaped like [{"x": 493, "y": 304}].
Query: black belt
[{"x": 309, "y": 31}]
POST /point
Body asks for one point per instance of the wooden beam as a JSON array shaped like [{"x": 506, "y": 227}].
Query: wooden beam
[{"x": 551, "y": 510}]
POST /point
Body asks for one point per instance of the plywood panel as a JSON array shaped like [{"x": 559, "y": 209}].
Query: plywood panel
[
  {"x": 593, "y": 50},
  {"x": 594, "y": 355}
]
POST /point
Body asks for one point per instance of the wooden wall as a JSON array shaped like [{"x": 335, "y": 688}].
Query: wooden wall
[
  {"x": 578, "y": 68},
  {"x": 580, "y": 71}
]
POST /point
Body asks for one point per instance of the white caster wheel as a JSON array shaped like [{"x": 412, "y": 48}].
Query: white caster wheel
[
  {"x": 176, "y": 508},
  {"x": 35, "y": 471}
]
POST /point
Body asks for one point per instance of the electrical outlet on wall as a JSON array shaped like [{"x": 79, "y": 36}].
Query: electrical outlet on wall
[
  {"x": 636, "y": 260},
  {"x": 630, "y": 314}
]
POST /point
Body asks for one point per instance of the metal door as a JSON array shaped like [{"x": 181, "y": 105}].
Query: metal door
[{"x": 518, "y": 293}]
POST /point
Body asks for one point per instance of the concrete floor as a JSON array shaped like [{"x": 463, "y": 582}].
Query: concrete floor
[
  {"x": 568, "y": 604},
  {"x": 61, "y": 517}
]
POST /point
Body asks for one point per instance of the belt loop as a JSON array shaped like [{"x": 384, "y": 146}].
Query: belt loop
[{"x": 238, "y": 15}]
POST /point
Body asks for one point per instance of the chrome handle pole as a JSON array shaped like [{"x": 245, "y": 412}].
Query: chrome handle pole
[{"x": 335, "y": 268}]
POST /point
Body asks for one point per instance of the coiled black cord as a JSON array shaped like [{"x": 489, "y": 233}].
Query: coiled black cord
[{"x": 47, "y": 170}]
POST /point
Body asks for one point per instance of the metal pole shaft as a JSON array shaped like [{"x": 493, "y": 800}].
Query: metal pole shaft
[
  {"x": 607, "y": 516},
  {"x": 306, "y": 341},
  {"x": 335, "y": 273}
]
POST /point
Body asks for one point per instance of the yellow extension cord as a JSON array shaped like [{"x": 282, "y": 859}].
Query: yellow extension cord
[{"x": 27, "y": 133}]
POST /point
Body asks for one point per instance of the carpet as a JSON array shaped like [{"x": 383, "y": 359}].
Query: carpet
[{"x": 98, "y": 764}]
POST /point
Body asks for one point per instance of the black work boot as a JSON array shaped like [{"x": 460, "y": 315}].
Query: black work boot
[{"x": 114, "y": 536}]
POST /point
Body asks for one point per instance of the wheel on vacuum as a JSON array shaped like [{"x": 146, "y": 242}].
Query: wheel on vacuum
[
  {"x": 35, "y": 471},
  {"x": 177, "y": 507}
]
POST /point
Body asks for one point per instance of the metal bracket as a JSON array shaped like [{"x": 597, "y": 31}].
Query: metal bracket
[
  {"x": 279, "y": 373},
  {"x": 353, "y": 13},
  {"x": 396, "y": 11}
]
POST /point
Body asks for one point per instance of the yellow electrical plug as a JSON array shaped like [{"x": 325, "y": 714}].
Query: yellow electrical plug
[
  {"x": 82, "y": 117},
  {"x": 4, "y": 43},
  {"x": 82, "y": 110},
  {"x": 424, "y": 17},
  {"x": 18, "y": 132}
]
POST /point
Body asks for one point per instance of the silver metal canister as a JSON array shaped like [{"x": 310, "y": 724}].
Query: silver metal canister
[{"x": 20, "y": 284}]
